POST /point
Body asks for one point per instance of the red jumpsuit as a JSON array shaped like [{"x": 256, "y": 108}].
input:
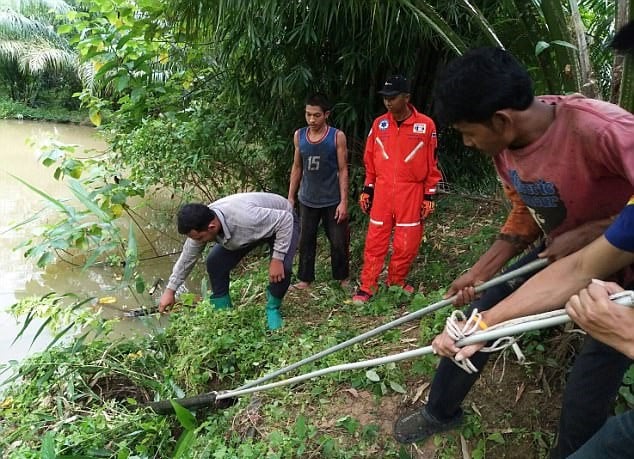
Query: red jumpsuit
[{"x": 400, "y": 162}]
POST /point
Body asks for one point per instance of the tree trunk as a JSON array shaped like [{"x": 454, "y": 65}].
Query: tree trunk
[
  {"x": 565, "y": 58},
  {"x": 588, "y": 81},
  {"x": 207, "y": 400},
  {"x": 624, "y": 13}
]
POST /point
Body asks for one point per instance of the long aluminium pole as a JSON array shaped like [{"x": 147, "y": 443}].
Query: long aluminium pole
[{"x": 527, "y": 268}]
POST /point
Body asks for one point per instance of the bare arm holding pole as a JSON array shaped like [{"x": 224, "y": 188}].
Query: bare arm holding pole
[{"x": 548, "y": 289}]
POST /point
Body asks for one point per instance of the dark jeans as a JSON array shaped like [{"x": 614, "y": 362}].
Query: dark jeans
[
  {"x": 338, "y": 235},
  {"x": 221, "y": 261},
  {"x": 451, "y": 384},
  {"x": 588, "y": 398},
  {"x": 615, "y": 440},
  {"x": 595, "y": 377}
]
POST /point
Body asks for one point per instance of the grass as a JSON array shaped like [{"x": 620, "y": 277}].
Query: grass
[{"x": 84, "y": 401}]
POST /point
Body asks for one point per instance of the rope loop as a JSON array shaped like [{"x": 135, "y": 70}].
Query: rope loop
[
  {"x": 459, "y": 327},
  {"x": 469, "y": 327}
]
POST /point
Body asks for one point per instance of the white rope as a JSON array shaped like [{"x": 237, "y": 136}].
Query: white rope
[
  {"x": 473, "y": 325},
  {"x": 502, "y": 330},
  {"x": 459, "y": 327},
  {"x": 555, "y": 318}
]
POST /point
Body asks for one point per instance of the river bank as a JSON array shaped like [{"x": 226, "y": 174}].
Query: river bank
[
  {"x": 21, "y": 279},
  {"x": 10, "y": 109},
  {"x": 83, "y": 397}
]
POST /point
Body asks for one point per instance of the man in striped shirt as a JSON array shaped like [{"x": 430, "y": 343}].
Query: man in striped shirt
[{"x": 237, "y": 223}]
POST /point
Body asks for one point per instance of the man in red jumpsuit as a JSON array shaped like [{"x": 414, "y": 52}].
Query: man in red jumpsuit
[{"x": 400, "y": 182}]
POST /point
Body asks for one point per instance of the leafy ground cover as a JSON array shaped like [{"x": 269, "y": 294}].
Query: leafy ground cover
[
  {"x": 57, "y": 112},
  {"x": 85, "y": 399}
]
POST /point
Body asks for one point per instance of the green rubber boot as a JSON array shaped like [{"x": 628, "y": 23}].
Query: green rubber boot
[
  {"x": 221, "y": 302},
  {"x": 273, "y": 316}
]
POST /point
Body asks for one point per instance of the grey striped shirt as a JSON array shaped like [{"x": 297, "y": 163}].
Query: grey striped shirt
[{"x": 246, "y": 218}]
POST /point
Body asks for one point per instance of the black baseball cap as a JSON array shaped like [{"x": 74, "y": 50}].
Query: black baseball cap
[{"x": 394, "y": 86}]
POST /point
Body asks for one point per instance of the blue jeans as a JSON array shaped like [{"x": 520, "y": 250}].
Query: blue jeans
[
  {"x": 615, "y": 440},
  {"x": 221, "y": 261}
]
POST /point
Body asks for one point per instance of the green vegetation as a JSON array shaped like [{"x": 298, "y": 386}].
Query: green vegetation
[
  {"x": 91, "y": 229},
  {"x": 205, "y": 95},
  {"x": 10, "y": 109},
  {"x": 202, "y": 98},
  {"x": 83, "y": 399},
  {"x": 35, "y": 61}
]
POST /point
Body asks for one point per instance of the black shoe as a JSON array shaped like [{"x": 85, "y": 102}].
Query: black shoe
[{"x": 419, "y": 425}]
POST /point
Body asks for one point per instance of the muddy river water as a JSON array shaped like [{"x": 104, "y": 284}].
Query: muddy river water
[{"x": 20, "y": 278}]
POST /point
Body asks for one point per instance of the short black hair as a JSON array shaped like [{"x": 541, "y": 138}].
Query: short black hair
[
  {"x": 320, "y": 100},
  {"x": 472, "y": 87},
  {"x": 624, "y": 38},
  {"x": 194, "y": 216}
]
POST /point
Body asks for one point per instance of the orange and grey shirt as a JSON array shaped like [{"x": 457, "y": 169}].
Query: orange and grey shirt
[{"x": 580, "y": 170}]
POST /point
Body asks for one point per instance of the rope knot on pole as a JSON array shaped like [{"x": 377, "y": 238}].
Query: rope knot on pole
[{"x": 459, "y": 327}]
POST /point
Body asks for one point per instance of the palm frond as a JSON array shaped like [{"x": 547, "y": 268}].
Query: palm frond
[
  {"x": 86, "y": 74},
  {"x": 29, "y": 43},
  {"x": 11, "y": 50},
  {"x": 42, "y": 57},
  {"x": 15, "y": 25},
  {"x": 484, "y": 23},
  {"x": 56, "y": 6},
  {"x": 425, "y": 12},
  {"x": 37, "y": 7}
]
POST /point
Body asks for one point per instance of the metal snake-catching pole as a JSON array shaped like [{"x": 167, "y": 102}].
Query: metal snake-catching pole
[
  {"x": 210, "y": 398},
  {"x": 512, "y": 327},
  {"x": 546, "y": 320},
  {"x": 502, "y": 330},
  {"x": 527, "y": 268}
]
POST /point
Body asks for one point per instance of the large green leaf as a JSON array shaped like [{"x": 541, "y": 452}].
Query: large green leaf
[
  {"x": 84, "y": 197},
  {"x": 60, "y": 335},
  {"x": 27, "y": 321},
  {"x": 66, "y": 209},
  {"x": 39, "y": 331},
  {"x": 185, "y": 417},
  {"x": 48, "y": 447},
  {"x": 131, "y": 255},
  {"x": 540, "y": 47},
  {"x": 183, "y": 445}
]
